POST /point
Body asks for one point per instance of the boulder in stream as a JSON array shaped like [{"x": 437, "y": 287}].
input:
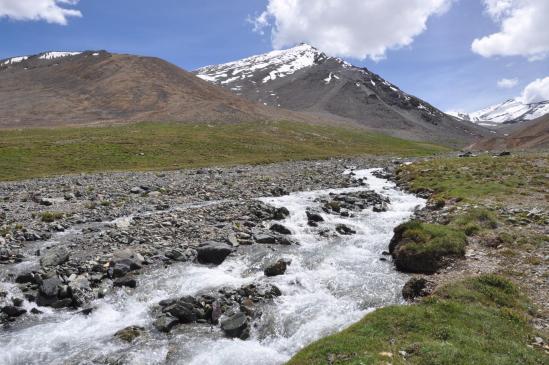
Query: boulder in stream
[
  {"x": 236, "y": 326},
  {"x": 212, "y": 252},
  {"x": 54, "y": 257}
]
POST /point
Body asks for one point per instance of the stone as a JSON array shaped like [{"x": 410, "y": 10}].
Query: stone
[
  {"x": 278, "y": 191},
  {"x": 184, "y": 312},
  {"x": 344, "y": 230},
  {"x": 232, "y": 240},
  {"x": 54, "y": 257},
  {"x": 125, "y": 281},
  {"x": 381, "y": 207},
  {"x": 212, "y": 252},
  {"x": 13, "y": 311},
  {"x": 314, "y": 217},
  {"x": 26, "y": 278},
  {"x": 279, "y": 228},
  {"x": 236, "y": 326},
  {"x": 281, "y": 213},
  {"x": 414, "y": 288},
  {"x": 129, "y": 334},
  {"x": 277, "y": 268},
  {"x": 165, "y": 323},
  {"x": 136, "y": 190},
  {"x": 265, "y": 239}
]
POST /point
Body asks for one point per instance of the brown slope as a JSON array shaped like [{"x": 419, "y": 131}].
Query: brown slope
[
  {"x": 105, "y": 87},
  {"x": 533, "y": 134}
]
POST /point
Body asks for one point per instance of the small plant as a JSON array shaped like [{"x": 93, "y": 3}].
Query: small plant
[
  {"x": 50, "y": 217},
  {"x": 105, "y": 203}
]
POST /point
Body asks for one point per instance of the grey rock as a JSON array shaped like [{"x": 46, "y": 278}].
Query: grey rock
[
  {"x": 55, "y": 256},
  {"x": 212, "y": 252},
  {"x": 165, "y": 323},
  {"x": 236, "y": 326},
  {"x": 277, "y": 268},
  {"x": 265, "y": 239},
  {"x": 344, "y": 230},
  {"x": 129, "y": 334},
  {"x": 13, "y": 311},
  {"x": 279, "y": 228}
]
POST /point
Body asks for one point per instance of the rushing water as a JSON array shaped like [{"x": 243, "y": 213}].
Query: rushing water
[{"x": 331, "y": 283}]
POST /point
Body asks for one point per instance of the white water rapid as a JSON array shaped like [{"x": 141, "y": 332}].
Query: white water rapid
[{"x": 331, "y": 283}]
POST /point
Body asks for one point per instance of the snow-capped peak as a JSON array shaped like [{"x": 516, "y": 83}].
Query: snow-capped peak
[
  {"x": 41, "y": 56},
  {"x": 279, "y": 63},
  {"x": 512, "y": 110}
]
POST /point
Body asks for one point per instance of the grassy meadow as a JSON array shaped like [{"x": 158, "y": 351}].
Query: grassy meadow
[{"x": 30, "y": 153}]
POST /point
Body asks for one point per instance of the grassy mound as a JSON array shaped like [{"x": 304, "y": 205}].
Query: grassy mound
[
  {"x": 424, "y": 248},
  {"x": 482, "y": 320},
  {"x": 153, "y": 146}
]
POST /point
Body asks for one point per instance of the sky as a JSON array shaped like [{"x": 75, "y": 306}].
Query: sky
[{"x": 459, "y": 55}]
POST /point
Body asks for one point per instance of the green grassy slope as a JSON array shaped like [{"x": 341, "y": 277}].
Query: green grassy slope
[
  {"x": 480, "y": 321},
  {"x": 154, "y": 146}
]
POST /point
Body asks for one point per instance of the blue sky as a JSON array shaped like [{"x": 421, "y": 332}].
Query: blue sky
[{"x": 438, "y": 66}]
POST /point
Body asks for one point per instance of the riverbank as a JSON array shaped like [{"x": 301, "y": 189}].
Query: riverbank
[{"x": 486, "y": 304}]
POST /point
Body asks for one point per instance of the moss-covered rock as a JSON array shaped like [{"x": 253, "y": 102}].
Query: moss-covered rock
[{"x": 425, "y": 248}]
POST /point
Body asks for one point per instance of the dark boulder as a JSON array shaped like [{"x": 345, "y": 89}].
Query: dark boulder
[
  {"x": 265, "y": 239},
  {"x": 13, "y": 311},
  {"x": 279, "y": 228},
  {"x": 125, "y": 281},
  {"x": 281, "y": 213},
  {"x": 414, "y": 288},
  {"x": 314, "y": 217},
  {"x": 236, "y": 326},
  {"x": 277, "y": 268},
  {"x": 165, "y": 323},
  {"x": 344, "y": 230},
  {"x": 184, "y": 312},
  {"x": 212, "y": 252}
]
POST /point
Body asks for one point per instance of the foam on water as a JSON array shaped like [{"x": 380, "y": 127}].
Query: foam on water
[{"x": 331, "y": 283}]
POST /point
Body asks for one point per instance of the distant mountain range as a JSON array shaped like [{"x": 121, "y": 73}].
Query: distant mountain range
[
  {"x": 305, "y": 79},
  {"x": 298, "y": 84},
  {"x": 508, "y": 112}
]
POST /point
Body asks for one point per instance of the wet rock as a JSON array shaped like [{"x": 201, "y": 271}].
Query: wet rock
[
  {"x": 27, "y": 278},
  {"x": 281, "y": 213},
  {"x": 129, "y": 334},
  {"x": 47, "y": 294},
  {"x": 380, "y": 207},
  {"x": 277, "y": 268},
  {"x": 314, "y": 217},
  {"x": 184, "y": 312},
  {"x": 13, "y": 311},
  {"x": 279, "y": 191},
  {"x": 236, "y": 326},
  {"x": 123, "y": 262},
  {"x": 232, "y": 240},
  {"x": 54, "y": 257},
  {"x": 265, "y": 239},
  {"x": 279, "y": 228},
  {"x": 414, "y": 288},
  {"x": 180, "y": 255},
  {"x": 18, "y": 302},
  {"x": 212, "y": 252},
  {"x": 165, "y": 323},
  {"x": 125, "y": 281},
  {"x": 345, "y": 230}
]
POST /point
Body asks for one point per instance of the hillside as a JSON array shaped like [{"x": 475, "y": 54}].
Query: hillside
[
  {"x": 307, "y": 80},
  {"x": 60, "y": 88},
  {"x": 528, "y": 135}
]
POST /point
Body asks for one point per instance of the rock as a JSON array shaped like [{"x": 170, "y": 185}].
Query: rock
[
  {"x": 125, "y": 281},
  {"x": 125, "y": 261},
  {"x": 279, "y": 228},
  {"x": 129, "y": 334},
  {"x": 276, "y": 269},
  {"x": 466, "y": 154},
  {"x": 81, "y": 291},
  {"x": 236, "y": 326},
  {"x": 46, "y": 202},
  {"x": 414, "y": 288},
  {"x": 136, "y": 190},
  {"x": 344, "y": 230},
  {"x": 504, "y": 153},
  {"x": 314, "y": 217},
  {"x": 281, "y": 213},
  {"x": 184, "y": 312},
  {"x": 232, "y": 240},
  {"x": 212, "y": 252},
  {"x": 54, "y": 257},
  {"x": 18, "y": 302},
  {"x": 27, "y": 278},
  {"x": 279, "y": 192},
  {"x": 381, "y": 207},
  {"x": 265, "y": 239},
  {"x": 13, "y": 311},
  {"x": 187, "y": 255},
  {"x": 165, "y": 323}
]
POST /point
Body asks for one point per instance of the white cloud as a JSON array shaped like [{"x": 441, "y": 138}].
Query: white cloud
[
  {"x": 52, "y": 11},
  {"x": 507, "y": 83},
  {"x": 523, "y": 29},
  {"x": 536, "y": 91},
  {"x": 349, "y": 28}
]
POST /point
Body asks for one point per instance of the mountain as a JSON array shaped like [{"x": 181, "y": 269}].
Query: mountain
[
  {"x": 533, "y": 134},
  {"x": 60, "y": 88},
  {"x": 307, "y": 80},
  {"x": 508, "y": 112}
]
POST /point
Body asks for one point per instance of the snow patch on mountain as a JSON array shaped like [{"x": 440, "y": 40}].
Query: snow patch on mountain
[
  {"x": 54, "y": 55},
  {"x": 510, "y": 111},
  {"x": 13, "y": 60},
  {"x": 283, "y": 63}
]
